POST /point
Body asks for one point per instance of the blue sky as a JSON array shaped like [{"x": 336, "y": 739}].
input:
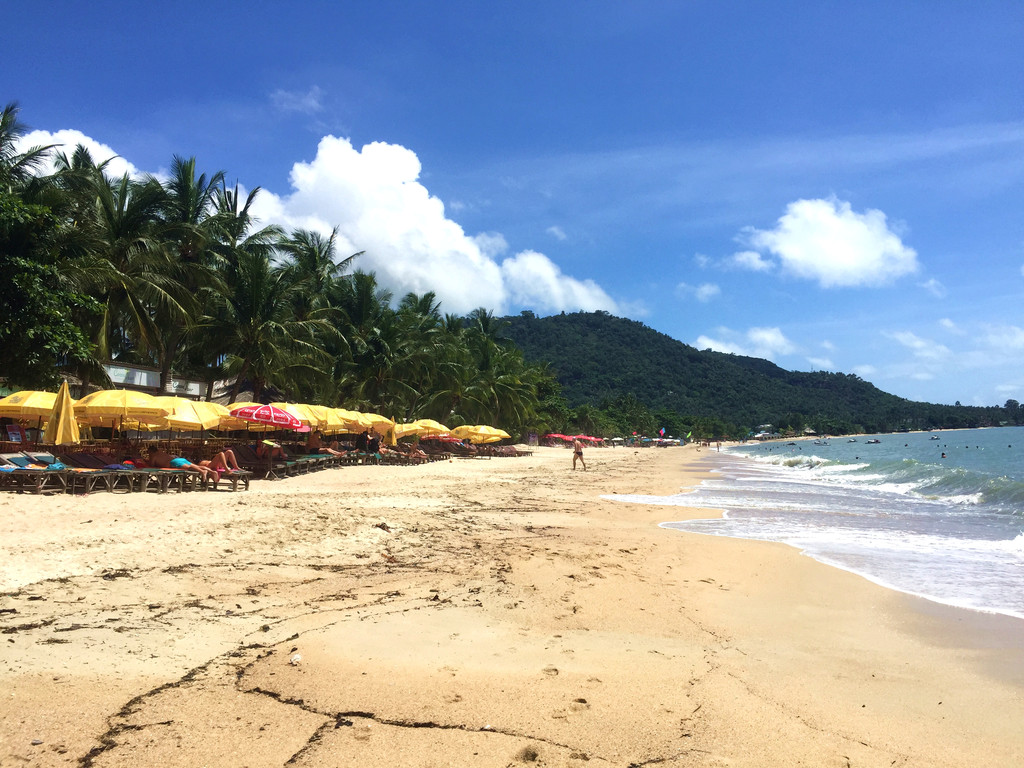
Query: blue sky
[{"x": 830, "y": 187}]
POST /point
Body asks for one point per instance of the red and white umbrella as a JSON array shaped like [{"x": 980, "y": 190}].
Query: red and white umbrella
[{"x": 267, "y": 414}]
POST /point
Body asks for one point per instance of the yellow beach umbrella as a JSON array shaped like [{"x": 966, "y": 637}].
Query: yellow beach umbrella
[
  {"x": 301, "y": 412},
  {"x": 352, "y": 421},
  {"x": 379, "y": 424},
  {"x": 427, "y": 427},
  {"x": 118, "y": 405},
  {"x": 190, "y": 415},
  {"x": 62, "y": 427},
  {"x": 480, "y": 433},
  {"x": 404, "y": 430},
  {"x": 28, "y": 402}
]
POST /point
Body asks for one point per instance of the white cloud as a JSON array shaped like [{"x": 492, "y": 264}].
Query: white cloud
[
  {"x": 923, "y": 349},
  {"x": 821, "y": 363},
  {"x": 533, "y": 280},
  {"x": 376, "y": 200},
  {"x": 767, "y": 343},
  {"x": 308, "y": 102},
  {"x": 935, "y": 288},
  {"x": 556, "y": 232},
  {"x": 1004, "y": 338},
  {"x": 67, "y": 140},
  {"x": 826, "y": 241},
  {"x": 751, "y": 260},
  {"x": 701, "y": 260},
  {"x": 491, "y": 244},
  {"x": 950, "y": 326},
  {"x": 865, "y": 371},
  {"x": 703, "y": 293}
]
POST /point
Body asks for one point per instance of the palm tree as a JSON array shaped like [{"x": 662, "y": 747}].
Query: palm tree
[
  {"x": 17, "y": 169},
  {"x": 190, "y": 230},
  {"x": 268, "y": 344},
  {"x": 124, "y": 263}
]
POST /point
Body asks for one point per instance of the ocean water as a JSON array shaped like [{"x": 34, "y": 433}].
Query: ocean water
[{"x": 948, "y": 528}]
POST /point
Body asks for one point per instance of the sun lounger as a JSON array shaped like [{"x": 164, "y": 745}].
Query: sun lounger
[
  {"x": 266, "y": 467},
  {"x": 91, "y": 473},
  {"x": 18, "y": 474}
]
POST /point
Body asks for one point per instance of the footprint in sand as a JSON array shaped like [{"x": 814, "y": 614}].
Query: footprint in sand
[{"x": 550, "y": 671}]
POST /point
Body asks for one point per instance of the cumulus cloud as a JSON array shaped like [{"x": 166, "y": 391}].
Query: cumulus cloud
[
  {"x": 751, "y": 260},
  {"x": 67, "y": 140},
  {"x": 923, "y": 349},
  {"x": 307, "y": 102},
  {"x": 767, "y": 343},
  {"x": 935, "y": 288},
  {"x": 374, "y": 196},
  {"x": 865, "y": 371},
  {"x": 1007, "y": 338},
  {"x": 533, "y": 280},
  {"x": 703, "y": 293},
  {"x": 827, "y": 241}
]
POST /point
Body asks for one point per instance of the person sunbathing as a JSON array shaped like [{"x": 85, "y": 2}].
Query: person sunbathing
[
  {"x": 314, "y": 444},
  {"x": 163, "y": 460},
  {"x": 269, "y": 449},
  {"x": 223, "y": 462}
]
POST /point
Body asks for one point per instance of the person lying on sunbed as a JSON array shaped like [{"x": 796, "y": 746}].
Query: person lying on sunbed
[
  {"x": 314, "y": 444},
  {"x": 163, "y": 460},
  {"x": 224, "y": 461},
  {"x": 269, "y": 449}
]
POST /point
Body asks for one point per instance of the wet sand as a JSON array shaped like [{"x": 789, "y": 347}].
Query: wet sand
[{"x": 473, "y": 613}]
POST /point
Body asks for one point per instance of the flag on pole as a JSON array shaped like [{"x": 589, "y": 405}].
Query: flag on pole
[
  {"x": 661, "y": 431},
  {"x": 688, "y": 434}
]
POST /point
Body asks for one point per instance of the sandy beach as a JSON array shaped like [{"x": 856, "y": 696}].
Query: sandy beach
[{"x": 471, "y": 613}]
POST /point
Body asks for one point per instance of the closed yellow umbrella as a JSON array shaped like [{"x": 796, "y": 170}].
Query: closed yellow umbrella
[{"x": 62, "y": 427}]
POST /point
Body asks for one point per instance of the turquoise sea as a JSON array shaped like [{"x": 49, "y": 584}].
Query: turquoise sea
[{"x": 939, "y": 515}]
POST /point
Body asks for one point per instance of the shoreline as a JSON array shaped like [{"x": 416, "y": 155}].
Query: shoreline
[{"x": 480, "y": 612}]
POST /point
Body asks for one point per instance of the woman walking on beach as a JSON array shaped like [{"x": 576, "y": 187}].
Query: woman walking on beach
[{"x": 577, "y": 453}]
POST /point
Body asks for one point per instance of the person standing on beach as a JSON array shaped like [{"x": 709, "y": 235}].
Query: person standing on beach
[{"x": 577, "y": 453}]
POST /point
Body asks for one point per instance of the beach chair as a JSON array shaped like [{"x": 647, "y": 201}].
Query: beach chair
[
  {"x": 265, "y": 467},
  {"x": 21, "y": 473},
  {"x": 90, "y": 473}
]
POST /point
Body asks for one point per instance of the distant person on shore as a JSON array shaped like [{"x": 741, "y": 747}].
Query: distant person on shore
[{"x": 577, "y": 454}]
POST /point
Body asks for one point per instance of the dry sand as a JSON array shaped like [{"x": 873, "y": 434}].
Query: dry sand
[{"x": 475, "y": 613}]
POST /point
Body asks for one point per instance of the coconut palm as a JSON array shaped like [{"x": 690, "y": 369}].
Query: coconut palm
[{"x": 268, "y": 344}]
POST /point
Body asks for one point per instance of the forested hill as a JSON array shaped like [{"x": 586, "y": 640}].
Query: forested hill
[{"x": 599, "y": 358}]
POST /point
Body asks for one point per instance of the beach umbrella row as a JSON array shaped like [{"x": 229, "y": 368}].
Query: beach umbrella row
[{"x": 129, "y": 409}]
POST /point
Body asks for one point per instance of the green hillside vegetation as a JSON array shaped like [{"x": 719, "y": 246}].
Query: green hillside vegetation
[{"x": 620, "y": 373}]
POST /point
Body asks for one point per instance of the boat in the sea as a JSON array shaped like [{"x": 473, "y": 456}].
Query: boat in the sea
[{"x": 876, "y": 440}]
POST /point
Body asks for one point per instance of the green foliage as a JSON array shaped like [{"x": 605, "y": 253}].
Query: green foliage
[{"x": 38, "y": 331}]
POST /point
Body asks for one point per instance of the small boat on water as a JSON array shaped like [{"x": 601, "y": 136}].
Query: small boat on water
[
  {"x": 852, "y": 440},
  {"x": 876, "y": 440},
  {"x": 934, "y": 437}
]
